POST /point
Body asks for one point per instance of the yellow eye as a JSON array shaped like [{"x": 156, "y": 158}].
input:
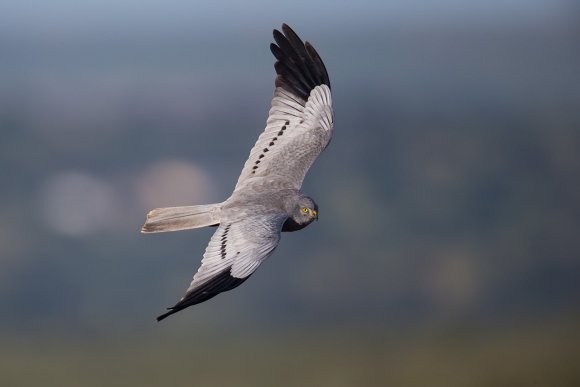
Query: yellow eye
[{"x": 305, "y": 210}]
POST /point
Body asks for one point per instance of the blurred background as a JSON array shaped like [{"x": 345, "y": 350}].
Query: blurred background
[{"x": 448, "y": 247}]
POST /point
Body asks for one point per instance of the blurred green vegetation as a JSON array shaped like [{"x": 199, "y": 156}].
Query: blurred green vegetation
[{"x": 439, "y": 356}]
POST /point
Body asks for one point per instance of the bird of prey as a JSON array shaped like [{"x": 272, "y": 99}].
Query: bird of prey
[{"x": 266, "y": 199}]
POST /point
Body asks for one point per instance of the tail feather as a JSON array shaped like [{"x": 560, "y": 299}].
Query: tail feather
[{"x": 181, "y": 218}]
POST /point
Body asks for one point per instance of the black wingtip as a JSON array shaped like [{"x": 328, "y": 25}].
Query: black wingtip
[
  {"x": 299, "y": 67},
  {"x": 164, "y": 315},
  {"x": 222, "y": 282}
]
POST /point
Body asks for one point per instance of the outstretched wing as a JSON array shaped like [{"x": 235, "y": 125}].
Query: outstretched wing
[
  {"x": 234, "y": 252},
  {"x": 299, "y": 124}
]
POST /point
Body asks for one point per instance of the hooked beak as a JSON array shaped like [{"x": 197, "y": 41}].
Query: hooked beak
[{"x": 314, "y": 214}]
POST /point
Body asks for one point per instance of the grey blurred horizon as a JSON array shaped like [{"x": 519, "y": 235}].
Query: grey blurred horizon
[{"x": 449, "y": 197}]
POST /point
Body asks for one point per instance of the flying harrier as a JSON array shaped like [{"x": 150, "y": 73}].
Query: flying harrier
[{"x": 267, "y": 199}]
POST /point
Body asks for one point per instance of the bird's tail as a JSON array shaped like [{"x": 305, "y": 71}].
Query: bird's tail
[{"x": 182, "y": 218}]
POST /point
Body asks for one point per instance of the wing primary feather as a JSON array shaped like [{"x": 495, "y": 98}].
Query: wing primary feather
[
  {"x": 298, "y": 65},
  {"x": 320, "y": 67},
  {"x": 294, "y": 63},
  {"x": 288, "y": 76},
  {"x": 220, "y": 283},
  {"x": 304, "y": 61}
]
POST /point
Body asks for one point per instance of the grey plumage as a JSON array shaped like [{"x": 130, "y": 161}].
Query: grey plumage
[
  {"x": 266, "y": 199},
  {"x": 181, "y": 218}
]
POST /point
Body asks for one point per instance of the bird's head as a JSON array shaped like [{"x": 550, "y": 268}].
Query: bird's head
[{"x": 305, "y": 211}]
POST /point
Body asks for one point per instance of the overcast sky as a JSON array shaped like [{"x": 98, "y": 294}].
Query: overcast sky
[{"x": 39, "y": 17}]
